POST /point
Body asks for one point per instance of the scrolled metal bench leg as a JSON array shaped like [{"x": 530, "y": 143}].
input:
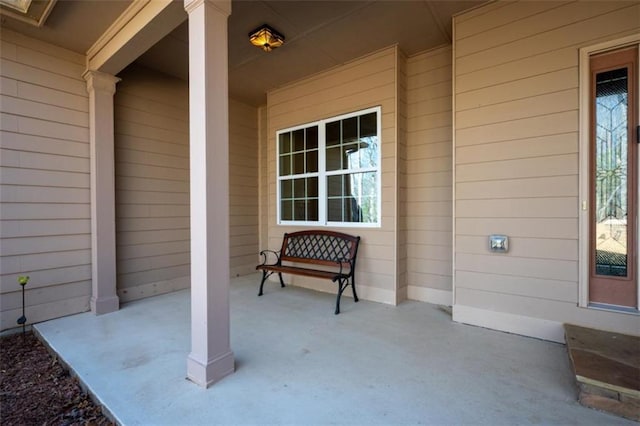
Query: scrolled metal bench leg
[
  {"x": 264, "y": 277},
  {"x": 353, "y": 287},
  {"x": 266, "y": 274},
  {"x": 341, "y": 286}
]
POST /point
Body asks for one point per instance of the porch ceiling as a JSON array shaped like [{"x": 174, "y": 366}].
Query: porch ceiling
[{"x": 319, "y": 35}]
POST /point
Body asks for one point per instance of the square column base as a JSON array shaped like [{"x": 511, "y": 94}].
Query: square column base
[
  {"x": 207, "y": 374},
  {"x": 104, "y": 305}
]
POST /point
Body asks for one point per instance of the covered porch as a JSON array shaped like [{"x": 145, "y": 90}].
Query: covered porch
[{"x": 297, "y": 363}]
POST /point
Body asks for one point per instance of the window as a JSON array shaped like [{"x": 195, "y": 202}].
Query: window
[{"x": 329, "y": 171}]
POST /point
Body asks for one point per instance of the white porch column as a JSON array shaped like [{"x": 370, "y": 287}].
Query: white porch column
[
  {"x": 211, "y": 358},
  {"x": 101, "y": 88}
]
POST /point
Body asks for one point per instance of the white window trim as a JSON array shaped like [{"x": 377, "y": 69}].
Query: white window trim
[
  {"x": 583, "y": 208},
  {"x": 322, "y": 173}
]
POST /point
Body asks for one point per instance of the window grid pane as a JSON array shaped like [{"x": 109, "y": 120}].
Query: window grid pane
[
  {"x": 299, "y": 199},
  {"x": 298, "y": 140},
  {"x": 353, "y": 197},
  {"x": 356, "y": 147},
  {"x": 285, "y": 143}
]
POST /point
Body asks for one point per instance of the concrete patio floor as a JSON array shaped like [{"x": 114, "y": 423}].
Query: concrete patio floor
[{"x": 297, "y": 363}]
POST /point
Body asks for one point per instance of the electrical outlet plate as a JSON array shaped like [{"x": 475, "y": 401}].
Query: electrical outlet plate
[{"x": 499, "y": 243}]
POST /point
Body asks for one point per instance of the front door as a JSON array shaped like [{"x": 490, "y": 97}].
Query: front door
[{"x": 614, "y": 178}]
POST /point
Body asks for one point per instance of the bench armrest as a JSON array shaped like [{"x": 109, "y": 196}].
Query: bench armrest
[
  {"x": 341, "y": 261},
  {"x": 266, "y": 254}
]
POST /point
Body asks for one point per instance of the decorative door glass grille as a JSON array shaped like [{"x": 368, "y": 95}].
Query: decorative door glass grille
[{"x": 611, "y": 173}]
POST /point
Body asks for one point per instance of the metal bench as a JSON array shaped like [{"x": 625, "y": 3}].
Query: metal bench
[{"x": 315, "y": 248}]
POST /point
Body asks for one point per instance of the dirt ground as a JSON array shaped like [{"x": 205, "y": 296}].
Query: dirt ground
[{"x": 36, "y": 390}]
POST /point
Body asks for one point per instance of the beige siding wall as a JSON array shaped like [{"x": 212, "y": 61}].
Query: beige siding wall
[
  {"x": 263, "y": 181},
  {"x": 45, "y": 195},
  {"x": 429, "y": 177},
  {"x": 152, "y": 184},
  {"x": 516, "y": 161},
  {"x": 401, "y": 178},
  {"x": 44, "y": 180},
  {"x": 243, "y": 178},
  {"x": 363, "y": 83}
]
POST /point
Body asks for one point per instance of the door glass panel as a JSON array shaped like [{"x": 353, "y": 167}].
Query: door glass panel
[{"x": 611, "y": 177}]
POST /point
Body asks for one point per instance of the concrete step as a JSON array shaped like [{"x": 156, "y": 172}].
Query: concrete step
[{"x": 607, "y": 369}]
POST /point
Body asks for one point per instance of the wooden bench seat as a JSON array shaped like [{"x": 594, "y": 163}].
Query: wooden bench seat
[{"x": 332, "y": 250}]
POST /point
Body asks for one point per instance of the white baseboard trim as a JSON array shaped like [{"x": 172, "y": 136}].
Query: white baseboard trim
[
  {"x": 430, "y": 295},
  {"x": 153, "y": 289},
  {"x": 375, "y": 294},
  {"x": 372, "y": 294},
  {"x": 511, "y": 323}
]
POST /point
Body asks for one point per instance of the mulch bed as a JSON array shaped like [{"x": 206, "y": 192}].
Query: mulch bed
[{"x": 36, "y": 390}]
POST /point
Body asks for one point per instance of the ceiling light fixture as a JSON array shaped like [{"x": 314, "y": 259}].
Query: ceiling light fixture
[
  {"x": 33, "y": 12},
  {"x": 21, "y": 6},
  {"x": 266, "y": 38}
]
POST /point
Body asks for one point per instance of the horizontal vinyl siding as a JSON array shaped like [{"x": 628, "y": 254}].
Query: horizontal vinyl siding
[
  {"x": 429, "y": 177},
  {"x": 516, "y": 171},
  {"x": 243, "y": 191},
  {"x": 44, "y": 181},
  {"x": 366, "y": 82},
  {"x": 401, "y": 178},
  {"x": 263, "y": 180},
  {"x": 152, "y": 184}
]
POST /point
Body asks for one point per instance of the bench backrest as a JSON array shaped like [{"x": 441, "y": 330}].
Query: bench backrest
[{"x": 320, "y": 247}]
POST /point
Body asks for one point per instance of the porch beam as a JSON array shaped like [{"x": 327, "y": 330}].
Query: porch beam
[
  {"x": 141, "y": 25},
  {"x": 211, "y": 357},
  {"x": 101, "y": 88}
]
